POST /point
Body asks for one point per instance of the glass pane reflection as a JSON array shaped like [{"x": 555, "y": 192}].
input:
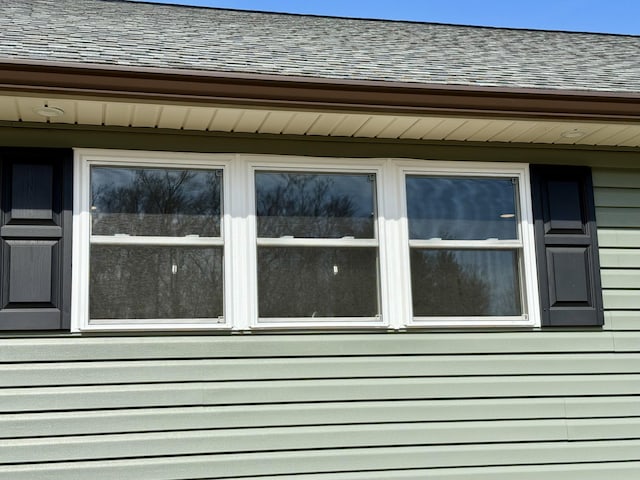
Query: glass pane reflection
[
  {"x": 155, "y": 282},
  {"x": 455, "y": 208},
  {"x": 465, "y": 283},
  {"x": 314, "y": 205},
  {"x": 155, "y": 202},
  {"x": 317, "y": 282}
]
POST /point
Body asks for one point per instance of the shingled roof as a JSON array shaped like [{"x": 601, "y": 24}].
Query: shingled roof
[{"x": 132, "y": 34}]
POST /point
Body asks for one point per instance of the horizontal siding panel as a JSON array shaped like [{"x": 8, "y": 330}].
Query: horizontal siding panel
[
  {"x": 618, "y": 238},
  {"x": 619, "y": 258},
  {"x": 91, "y": 373},
  {"x": 96, "y": 447},
  {"x": 583, "y": 471},
  {"x": 621, "y": 299},
  {"x": 617, "y": 197},
  {"x": 357, "y": 459},
  {"x": 600, "y": 429},
  {"x": 67, "y": 348},
  {"x": 627, "y": 341},
  {"x": 616, "y": 178},
  {"x": 619, "y": 278},
  {"x": 617, "y": 217},
  {"x": 622, "y": 320},
  {"x": 229, "y": 393},
  {"x": 242, "y": 416},
  {"x": 612, "y": 406}
]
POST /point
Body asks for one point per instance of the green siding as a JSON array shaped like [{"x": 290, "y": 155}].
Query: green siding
[
  {"x": 449, "y": 405},
  {"x": 171, "y": 407},
  {"x": 617, "y": 196}
]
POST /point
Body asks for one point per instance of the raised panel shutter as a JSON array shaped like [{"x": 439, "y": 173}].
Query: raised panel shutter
[
  {"x": 35, "y": 244},
  {"x": 566, "y": 246}
]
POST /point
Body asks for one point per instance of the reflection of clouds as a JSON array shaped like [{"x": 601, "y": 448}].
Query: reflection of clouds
[{"x": 461, "y": 208}]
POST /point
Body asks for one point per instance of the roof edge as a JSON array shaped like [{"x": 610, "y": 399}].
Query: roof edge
[{"x": 280, "y": 91}]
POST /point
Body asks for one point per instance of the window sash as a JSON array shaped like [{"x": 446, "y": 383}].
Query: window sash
[
  {"x": 518, "y": 284},
  {"x": 84, "y": 239},
  {"x": 371, "y": 216},
  {"x": 331, "y": 167},
  {"x": 491, "y": 244},
  {"x": 188, "y": 241},
  {"x": 524, "y": 244}
]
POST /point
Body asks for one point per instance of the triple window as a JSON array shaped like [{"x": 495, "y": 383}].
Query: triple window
[{"x": 169, "y": 241}]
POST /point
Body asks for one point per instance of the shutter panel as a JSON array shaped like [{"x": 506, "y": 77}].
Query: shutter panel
[
  {"x": 566, "y": 246},
  {"x": 35, "y": 238}
]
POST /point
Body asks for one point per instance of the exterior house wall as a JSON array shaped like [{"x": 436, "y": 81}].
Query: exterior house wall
[{"x": 457, "y": 404}]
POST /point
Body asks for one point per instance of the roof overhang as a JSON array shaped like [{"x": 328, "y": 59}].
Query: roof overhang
[{"x": 557, "y": 110}]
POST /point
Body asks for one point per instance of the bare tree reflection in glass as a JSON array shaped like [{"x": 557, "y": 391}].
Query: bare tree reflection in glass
[
  {"x": 316, "y": 281},
  {"x": 311, "y": 205},
  {"x": 463, "y": 283},
  {"x": 155, "y": 202},
  {"x": 142, "y": 281}
]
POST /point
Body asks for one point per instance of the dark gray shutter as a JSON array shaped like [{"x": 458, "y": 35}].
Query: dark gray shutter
[
  {"x": 566, "y": 246},
  {"x": 35, "y": 233}
]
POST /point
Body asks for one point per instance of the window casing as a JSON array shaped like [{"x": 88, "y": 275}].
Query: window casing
[
  {"x": 150, "y": 241},
  {"x": 304, "y": 242},
  {"x": 340, "y": 246},
  {"x": 476, "y": 244}
]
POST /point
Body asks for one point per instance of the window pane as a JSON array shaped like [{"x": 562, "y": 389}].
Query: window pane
[
  {"x": 155, "y": 201},
  {"x": 317, "y": 282},
  {"x": 454, "y": 208},
  {"x": 315, "y": 205},
  {"x": 129, "y": 282},
  {"x": 465, "y": 283}
]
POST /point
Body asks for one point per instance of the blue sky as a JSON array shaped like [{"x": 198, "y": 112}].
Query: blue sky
[{"x": 608, "y": 16}]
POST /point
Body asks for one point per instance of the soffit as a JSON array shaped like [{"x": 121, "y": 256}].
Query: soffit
[{"x": 310, "y": 122}]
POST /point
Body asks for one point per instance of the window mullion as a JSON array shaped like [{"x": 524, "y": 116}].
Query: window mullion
[{"x": 243, "y": 283}]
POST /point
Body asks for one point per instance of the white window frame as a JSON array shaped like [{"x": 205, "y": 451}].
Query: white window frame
[
  {"x": 525, "y": 242},
  {"x": 82, "y": 238},
  {"x": 240, "y": 242},
  {"x": 326, "y": 165}
]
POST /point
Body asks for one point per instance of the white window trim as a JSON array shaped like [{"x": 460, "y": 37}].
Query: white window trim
[
  {"x": 325, "y": 165},
  {"x": 84, "y": 159},
  {"x": 525, "y": 243},
  {"x": 240, "y": 241}
]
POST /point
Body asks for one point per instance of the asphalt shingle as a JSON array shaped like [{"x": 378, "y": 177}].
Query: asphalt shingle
[{"x": 130, "y": 34}]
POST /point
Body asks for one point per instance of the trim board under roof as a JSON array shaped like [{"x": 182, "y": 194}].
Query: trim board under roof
[{"x": 186, "y": 100}]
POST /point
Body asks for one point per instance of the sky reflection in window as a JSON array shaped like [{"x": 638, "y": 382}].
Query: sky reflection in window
[{"x": 454, "y": 208}]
